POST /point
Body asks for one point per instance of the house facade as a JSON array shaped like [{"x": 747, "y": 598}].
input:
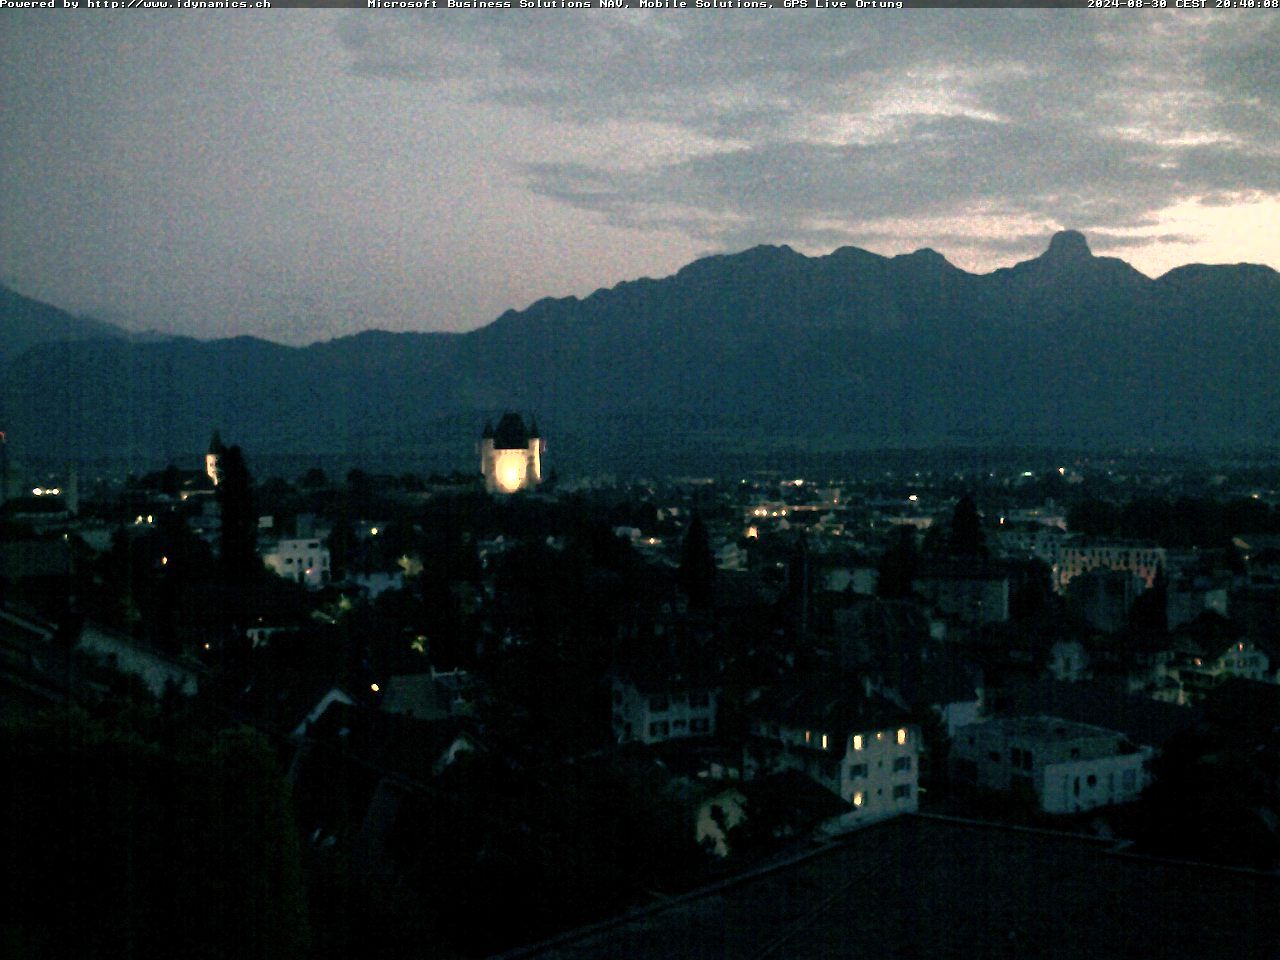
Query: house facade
[
  {"x": 654, "y": 711},
  {"x": 857, "y": 746},
  {"x": 1075, "y": 557},
  {"x": 1200, "y": 671},
  {"x": 1065, "y": 767},
  {"x": 972, "y": 593},
  {"x": 302, "y": 561}
]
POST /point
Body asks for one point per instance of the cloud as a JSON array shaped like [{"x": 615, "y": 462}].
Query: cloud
[{"x": 805, "y": 129}]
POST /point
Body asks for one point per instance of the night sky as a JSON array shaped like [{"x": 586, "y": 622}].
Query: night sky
[{"x": 300, "y": 175}]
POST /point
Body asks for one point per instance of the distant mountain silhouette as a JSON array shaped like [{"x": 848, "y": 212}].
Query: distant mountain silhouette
[
  {"x": 25, "y": 322},
  {"x": 758, "y": 351}
]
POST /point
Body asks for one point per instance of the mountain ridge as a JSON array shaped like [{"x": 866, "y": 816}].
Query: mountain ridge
[{"x": 754, "y": 350}]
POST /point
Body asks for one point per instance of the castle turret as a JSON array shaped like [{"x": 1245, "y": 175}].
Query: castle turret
[{"x": 535, "y": 453}]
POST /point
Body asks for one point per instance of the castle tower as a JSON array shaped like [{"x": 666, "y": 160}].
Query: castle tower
[
  {"x": 535, "y": 453},
  {"x": 510, "y": 455}
]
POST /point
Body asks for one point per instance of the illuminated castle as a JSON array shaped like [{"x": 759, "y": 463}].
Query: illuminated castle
[{"x": 511, "y": 455}]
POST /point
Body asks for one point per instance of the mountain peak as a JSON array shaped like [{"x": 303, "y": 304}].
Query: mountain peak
[
  {"x": 1068, "y": 246},
  {"x": 925, "y": 255}
]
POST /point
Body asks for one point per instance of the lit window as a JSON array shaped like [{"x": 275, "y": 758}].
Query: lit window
[
  {"x": 879, "y": 734},
  {"x": 824, "y": 741},
  {"x": 902, "y": 736},
  {"x": 857, "y": 799},
  {"x": 857, "y": 741},
  {"x": 808, "y": 735}
]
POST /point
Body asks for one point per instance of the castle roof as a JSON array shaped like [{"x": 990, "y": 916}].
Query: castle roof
[{"x": 511, "y": 433}]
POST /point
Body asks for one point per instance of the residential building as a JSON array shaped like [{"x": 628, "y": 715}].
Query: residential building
[
  {"x": 854, "y": 743},
  {"x": 1065, "y": 767},
  {"x": 302, "y": 561},
  {"x": 1027, "y": 541},
  {"x": 852, "y": 573},
  {"x": 1105, "y": 597},
  {"x": 1077, "y": 556},
  {"x": 973, "y": 592},
  {"x": 1190, "y": 596},
  {"x": 1203, "y": 665},
  {"x": 652, "y": 708},
  {"x": 430, "y": 696}
]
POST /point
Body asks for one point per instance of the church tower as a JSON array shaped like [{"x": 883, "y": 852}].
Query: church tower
[
  {"x": 511, "y": 455},
  {"x": 213, "y": 459}
]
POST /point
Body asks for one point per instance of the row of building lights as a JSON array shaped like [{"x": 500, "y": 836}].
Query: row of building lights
[{"x": 858, "y": 742}]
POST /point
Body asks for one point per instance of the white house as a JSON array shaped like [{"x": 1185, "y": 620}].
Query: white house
[
  {"x": 1200, "y": 670},
  {"x": 659, "y": 709},
  {"x": 855, "y": 744},
  {"x": 302, "y": 561},
  {"x": 1066, "y": 767},
  {"x": 1027, "y": 541},
  {"x": 718, "y": 813}
]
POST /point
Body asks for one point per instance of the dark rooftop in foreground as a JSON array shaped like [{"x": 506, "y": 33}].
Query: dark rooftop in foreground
[{"x": 930, "y": 888}]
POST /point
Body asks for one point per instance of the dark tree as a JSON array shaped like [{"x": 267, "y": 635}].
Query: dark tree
[
  {"x": 898, "y": 565},
  {"x": 1032, "y": 591},
  {"x": 697, "y": 565},
  {"x": 238, "y": 543},
  {"x": 967, "y": 538},
  {"x": 1150, "y": 613},
  {"x": 314, "y": 479},
  {"x": 191, "y": 849}
]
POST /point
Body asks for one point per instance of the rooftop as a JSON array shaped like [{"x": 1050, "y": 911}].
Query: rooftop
[
  {"x": 511, "y": 432},
  {"x": 840, "y": 707},
  {"x": 925, "y": 887},
  {"x": 1047, "y": 728}
]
